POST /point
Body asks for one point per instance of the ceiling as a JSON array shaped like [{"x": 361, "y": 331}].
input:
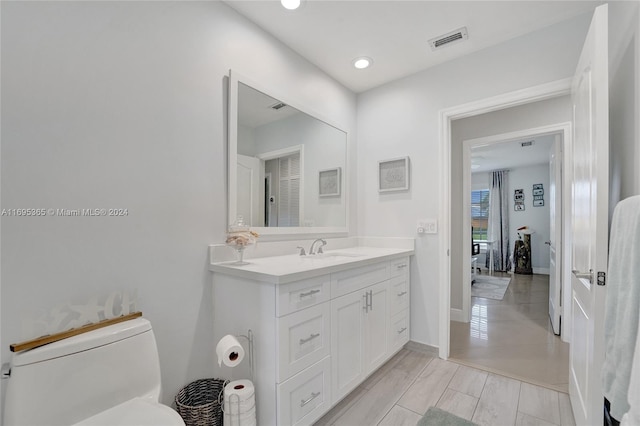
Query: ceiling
[
  {"x": 511, "y": 155},
  {"x": 395, "y": 34}
]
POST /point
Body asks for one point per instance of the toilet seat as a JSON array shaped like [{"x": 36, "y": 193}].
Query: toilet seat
[{"x": 135, "y": 412}]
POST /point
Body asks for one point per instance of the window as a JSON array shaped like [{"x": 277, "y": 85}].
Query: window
[{"x": 480, "y": 213}]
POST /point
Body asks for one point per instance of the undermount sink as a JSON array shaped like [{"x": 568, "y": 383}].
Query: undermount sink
[{"x": 331, "y": 255}]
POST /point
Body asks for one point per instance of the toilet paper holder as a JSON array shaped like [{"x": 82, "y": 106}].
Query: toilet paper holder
[{"x": 249, "y": 339}]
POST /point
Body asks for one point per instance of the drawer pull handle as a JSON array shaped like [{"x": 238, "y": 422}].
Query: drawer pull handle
[
  {"x": 402, "y": 294},
  {"x": 403, "y": 265},
  {"x": 313, "y": 396},
  {"x": 402, "y": 330},
  {"x": 310, "y": 338},
  {"x": 309, "y": 293}
]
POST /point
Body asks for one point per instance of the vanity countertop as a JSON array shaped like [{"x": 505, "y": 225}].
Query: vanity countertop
[{"x": 288, "y": 268}]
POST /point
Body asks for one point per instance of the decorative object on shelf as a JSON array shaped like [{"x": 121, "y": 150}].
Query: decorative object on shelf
[
  {"x": 239, "y": 237},
  {"x": 518, "y": 198},
  {"x": 522, "y": 252},
  {"x": 538, "y": 195},
  {"x": 393, "y": 175},
  {"x": 329, "y": 182}
]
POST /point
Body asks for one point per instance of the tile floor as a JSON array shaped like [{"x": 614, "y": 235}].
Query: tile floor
[
  {"x": 511, "y": 344},
  {"x": 402, "y": 390},
  {"x": 513, "y": 336}
]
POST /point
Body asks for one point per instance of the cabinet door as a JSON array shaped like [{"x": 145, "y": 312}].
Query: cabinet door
[
  {"x": 376, "y": 325},
  {"x": 347, "y": 343}
]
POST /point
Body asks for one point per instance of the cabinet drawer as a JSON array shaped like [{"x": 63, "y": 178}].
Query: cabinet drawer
[
  {"x": 398, "y": 331},
  {"x": 305, "y": 397},
  {"x": 345, "y": 282},
  {"x": 298, "y": 295},
  {"x": 398, "y": 294},
  {"x": 304, "y": 339},
  {"x": 399, "y": 267}
]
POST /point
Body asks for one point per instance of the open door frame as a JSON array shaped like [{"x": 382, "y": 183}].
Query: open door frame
[
  {"x": 561, "y": 128},
  {"x": 446, "y": 116}
]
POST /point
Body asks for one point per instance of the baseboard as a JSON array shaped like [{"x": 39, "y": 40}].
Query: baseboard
[
  {"x": 541, "y": 271},
  {"x": 421, "y": 347},
  {"x": 456, "y": 315}
]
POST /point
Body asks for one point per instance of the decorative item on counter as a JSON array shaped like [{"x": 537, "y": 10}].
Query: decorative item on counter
[{"x": 239, "y": 237}]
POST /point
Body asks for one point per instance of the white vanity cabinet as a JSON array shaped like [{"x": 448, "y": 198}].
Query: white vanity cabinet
[{"x": 315, "y": 338}]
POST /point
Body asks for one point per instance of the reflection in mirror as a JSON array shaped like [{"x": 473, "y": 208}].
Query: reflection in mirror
[{"x": 289, "y": 165}]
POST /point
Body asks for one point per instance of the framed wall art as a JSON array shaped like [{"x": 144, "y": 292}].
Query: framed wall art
[
  {"x": 329, "y": 182},
  {"x": 393, "y": 175}
]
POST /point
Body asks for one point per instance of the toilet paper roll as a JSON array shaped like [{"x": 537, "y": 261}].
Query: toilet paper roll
[
  {"x": 229, "y": 351},
  {"x": 239, "y": 390},
  {"x": 239, "y": 403}
]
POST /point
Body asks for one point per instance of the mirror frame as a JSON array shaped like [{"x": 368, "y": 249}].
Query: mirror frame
[{"x": 274, "y": 233}]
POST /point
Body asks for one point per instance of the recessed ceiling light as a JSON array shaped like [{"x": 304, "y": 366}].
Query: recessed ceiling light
[
  {"x": 290, "y": 4},
  {"x": 362, "y": 62}
]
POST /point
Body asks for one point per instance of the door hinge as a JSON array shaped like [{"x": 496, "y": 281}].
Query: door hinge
[{"x": 602, "y": 278}]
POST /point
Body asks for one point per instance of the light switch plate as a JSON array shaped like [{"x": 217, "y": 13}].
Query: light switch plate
[{"x": 428, "y": 226}]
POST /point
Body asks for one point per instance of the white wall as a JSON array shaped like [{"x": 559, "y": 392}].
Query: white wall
[
  {"x": 401, "y": 118},
  {"x": 535, "y": 218},
  {"x": 123, "y": 105},
  {"x": 624, "y": 100}
]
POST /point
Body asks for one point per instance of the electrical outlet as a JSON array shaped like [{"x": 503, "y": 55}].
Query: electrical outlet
[{"x": 427, "y": 226}]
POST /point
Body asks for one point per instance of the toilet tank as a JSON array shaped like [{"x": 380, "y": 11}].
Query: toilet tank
[{"x": 67, "y": 381}]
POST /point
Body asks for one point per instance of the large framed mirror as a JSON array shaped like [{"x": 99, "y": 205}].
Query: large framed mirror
[{"x": 287, "y": 167}]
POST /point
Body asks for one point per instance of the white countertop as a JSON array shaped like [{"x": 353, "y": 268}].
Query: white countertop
[{"x": 288, "y": 268}]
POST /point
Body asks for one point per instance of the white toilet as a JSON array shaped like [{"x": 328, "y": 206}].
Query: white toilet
[{"x": 109, "y": 376}]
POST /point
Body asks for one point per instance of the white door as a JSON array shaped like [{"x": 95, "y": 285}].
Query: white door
[
  {"x": 250, "y": 190},
  {"x": 376, "y": 326},
  {"x": 347, "y": 343},
  {"x": 555, "y": 233},
  {"x": 590, "y": 222}
]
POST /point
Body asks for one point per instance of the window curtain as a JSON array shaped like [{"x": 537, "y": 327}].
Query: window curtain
[{"x": 498, "y": 228}]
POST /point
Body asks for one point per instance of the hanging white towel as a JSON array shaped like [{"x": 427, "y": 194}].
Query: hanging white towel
[
  {"x": 622, "y": 305},
  {"x": 632, "y": 417}
]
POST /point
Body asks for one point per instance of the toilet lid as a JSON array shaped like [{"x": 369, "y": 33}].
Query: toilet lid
[{"x": 135, "y": 412}]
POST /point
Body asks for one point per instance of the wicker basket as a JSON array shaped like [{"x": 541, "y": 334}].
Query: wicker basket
[{"x": 198, "y": 403}]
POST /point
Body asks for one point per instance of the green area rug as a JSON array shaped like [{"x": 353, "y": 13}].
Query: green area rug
[{"x": 438, "y": 417}]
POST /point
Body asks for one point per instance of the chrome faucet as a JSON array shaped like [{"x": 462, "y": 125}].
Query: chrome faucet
[{"x": 313, "y": 245}]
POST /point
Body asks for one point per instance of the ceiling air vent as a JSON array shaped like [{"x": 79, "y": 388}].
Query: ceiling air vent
[
  {"x": 449, "y": 38},
  {"x": 527, "y": 143},
  {"x": 278, "y": 106}
]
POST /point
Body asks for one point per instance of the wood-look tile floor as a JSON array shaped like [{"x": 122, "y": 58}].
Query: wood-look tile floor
[
  {"x": 513, "y": 336},
  {"x": 403, "y": 389}
]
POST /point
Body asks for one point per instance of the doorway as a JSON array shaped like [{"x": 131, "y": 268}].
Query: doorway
[
  {"x": 521, "y": 97},
  {"x": 513, "y": 333}
]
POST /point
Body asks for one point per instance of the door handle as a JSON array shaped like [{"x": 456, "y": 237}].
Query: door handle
[
  {"x": 366, "y": 302},
  {"x": 584, "y": 275},
  {"x": 371, "y": 300},
  {"x": 548, "y": 243}
]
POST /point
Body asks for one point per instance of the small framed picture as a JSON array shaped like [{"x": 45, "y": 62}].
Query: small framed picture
[
  {"x": 329, "y": 182},
  {"x": 519, "y": 207},
  {"x": 538, "y": 203},
  {"x": 538, "y": 192},
  {"x": 393, "y": 175},
  {"x": 538, "y": 197},
  {"x": 537, "y": 186}
]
